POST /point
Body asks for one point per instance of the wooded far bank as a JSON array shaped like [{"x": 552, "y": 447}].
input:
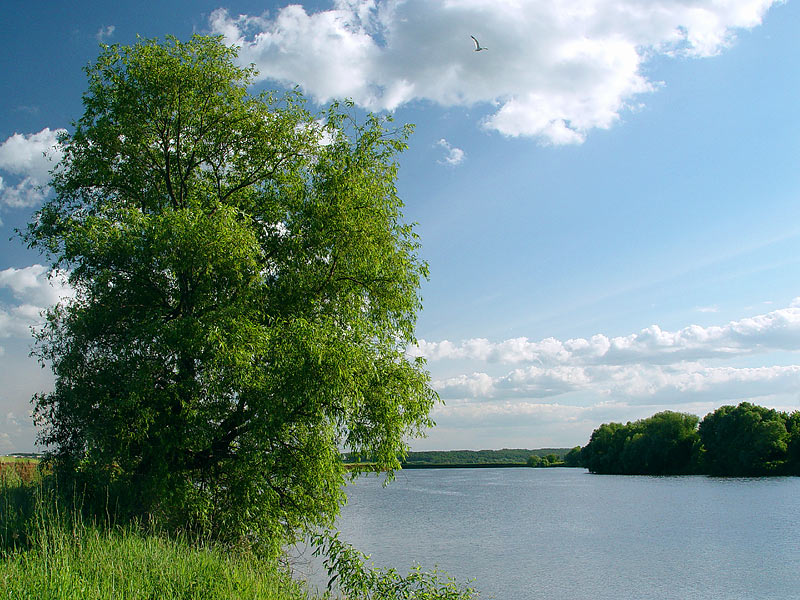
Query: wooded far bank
[
  {"x": 507, "y": 457},
  {"x": 738, "y": 441}
]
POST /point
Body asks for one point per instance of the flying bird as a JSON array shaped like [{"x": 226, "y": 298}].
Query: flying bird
[{"x": 478, "y": 46}]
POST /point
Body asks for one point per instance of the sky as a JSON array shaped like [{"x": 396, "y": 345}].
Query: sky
[{"x": 607, "y": 196}]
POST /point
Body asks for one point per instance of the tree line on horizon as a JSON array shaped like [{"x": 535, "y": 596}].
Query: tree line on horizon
[
  {"x": 739, "y": 441},
  {"x": 503, "y": 456}
]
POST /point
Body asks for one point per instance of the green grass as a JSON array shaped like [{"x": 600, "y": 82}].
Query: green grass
[
  {"x": 47, "y": 553},
  {"x": 16, "y": 471}
]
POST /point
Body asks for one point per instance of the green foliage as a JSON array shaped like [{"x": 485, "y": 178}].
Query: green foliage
[
  {"x": 535, "y": 461},
  {"x": 245, "y": 291},
  {"x": 350, "y": 573},
  {"x": 793, "y": 445},
  {"x": 48, "y": 552},
  {"x": 549, "y": 460},
  {"x": 573, "y": 458},
  {"x": 743, "y": 440},
  {"x": 17, "y": 470},
  {"x": 747, "y": 440},
  {"x": 664, "y": 444}
]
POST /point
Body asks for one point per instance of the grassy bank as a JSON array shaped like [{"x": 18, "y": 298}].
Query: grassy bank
[{"x": 47, "y": 553}]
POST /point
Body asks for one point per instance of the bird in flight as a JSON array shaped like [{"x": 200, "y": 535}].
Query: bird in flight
[{"x": 478, "y": 46}]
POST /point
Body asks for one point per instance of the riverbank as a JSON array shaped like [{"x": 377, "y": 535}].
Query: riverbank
[{"x": 49, "y": 552}]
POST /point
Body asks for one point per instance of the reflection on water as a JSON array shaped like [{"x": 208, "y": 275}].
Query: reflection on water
[{"x": 563, "y": 534}]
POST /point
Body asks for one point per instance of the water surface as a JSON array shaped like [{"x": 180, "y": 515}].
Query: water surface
[{"x": 564, "y": 534}]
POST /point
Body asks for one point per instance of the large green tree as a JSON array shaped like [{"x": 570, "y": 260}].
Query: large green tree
[
  {"x": 745, "y": 440},
  {"x": 665, "y": 444},
  {"x": 245, "y": 290}
]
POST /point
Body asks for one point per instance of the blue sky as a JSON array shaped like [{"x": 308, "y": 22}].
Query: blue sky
[{"x": 607, "y": 196}]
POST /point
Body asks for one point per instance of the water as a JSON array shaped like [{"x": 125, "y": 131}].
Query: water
[{"x": 564, "y": 534}]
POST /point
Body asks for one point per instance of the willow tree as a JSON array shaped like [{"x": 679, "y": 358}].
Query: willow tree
[{"x": 245, "y": 290}]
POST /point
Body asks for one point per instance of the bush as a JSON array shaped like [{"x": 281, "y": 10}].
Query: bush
[{"x": 349, "y": 572}]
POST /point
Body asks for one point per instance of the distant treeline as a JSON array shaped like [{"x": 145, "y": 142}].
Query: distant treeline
[
  {"x": 506, "y": 456},
  {"x": 743, "y": 440},
  {"x": 477, "y": 457}
]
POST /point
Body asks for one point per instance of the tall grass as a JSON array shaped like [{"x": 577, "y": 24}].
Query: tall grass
[
  {"x": 52, "y": 549},
  {"x": 15, "y": 470},
  {"x": 50, "y": 553}
]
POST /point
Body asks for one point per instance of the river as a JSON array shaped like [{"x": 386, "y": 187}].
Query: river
[{"x": 565, "y": 534}]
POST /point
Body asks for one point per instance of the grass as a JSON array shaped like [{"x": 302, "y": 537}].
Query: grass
[
  {"x": 47, "y": 553},
  {"x": 15, "y": 470}
]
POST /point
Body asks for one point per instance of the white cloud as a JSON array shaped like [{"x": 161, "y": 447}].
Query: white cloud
[
  {"x": 34, "y": 288},
  {"x": 582, "y": 382},
  {"x": 476, "y": 385},
  {"x": 28, "y": 192},
  {"x": 104, "y": 33},
  {"x": 649, "y": 384},
  {"x": 776, "y": 330},
  {"x": 18, "y": 320},
  {"x": 455, "y": 156},
  {"x": 707, "y": 309},
  {"x": 30, "y": 158},
  {"x": 553, "y": 70},
  {"x": 36, "y": 284}
]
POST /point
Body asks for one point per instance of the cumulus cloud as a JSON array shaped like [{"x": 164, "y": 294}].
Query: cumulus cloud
[
  {"x": 649, "y": 384},
  {"x": 775, "y": 330},
  {"x": 36, "y": 284},
  {"x": 29, "y": 158},
  {"x": 520, "y": 382},
  {"x": 17, "y": 321},
  {"x": 553, "y": 70},
  {"x": 454, "y": 156},
  {"x": 33, "y": 288}
]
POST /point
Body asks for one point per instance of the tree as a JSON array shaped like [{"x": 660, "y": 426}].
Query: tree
[
  {"x": 602, "y": 453},
  {"x": 744, "y": 440},
  {"x": 664, "y": 444},
  {"x": 535, "y": 461},
  {"x": 573, "y": 457},
  {"x": 245, "y": 291},
  {"x": 793, "y": 445}
]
